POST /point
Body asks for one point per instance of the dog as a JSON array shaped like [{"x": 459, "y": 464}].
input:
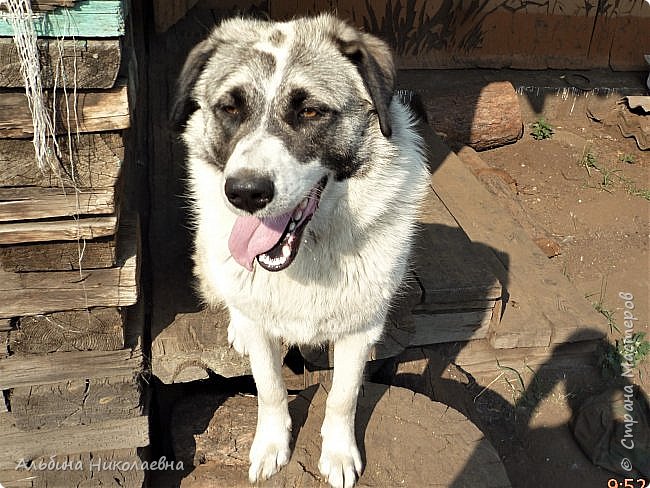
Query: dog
[{"x": 305, "y": 178}]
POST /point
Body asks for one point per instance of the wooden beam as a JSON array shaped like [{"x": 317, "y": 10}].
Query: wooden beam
[
  {"x": 39, "y": 293},
  {"x": 167, "y": 12},
  {"x": 88, "y": 18},
  {"x": 97, "y": 111},
  {"x": 60, "y": 230},
  {"x": 86, "y": 63},
  {"x": 59, "y": 256},
  {"x": 542, "y": 306},
  {"x": 97, "y": 329},
  {"x": 18, "y": 371},
  {"x": 86, "y": 161},
  {"x": 29, "y": 203},
  {"x": 98, "y": 436}
]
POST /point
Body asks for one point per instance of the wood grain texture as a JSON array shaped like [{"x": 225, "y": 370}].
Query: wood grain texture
[
  {"x": 106, "y": 110},
  {"x": 59, "y": 230},
  {"x": 542, "y": 307},
  {"x": 101, "y": 436},
  {"x": 88, "y": 18},
  {"x": 86, "y": 63},
  {"x": 97, "y": 329},
  {"x": 26, "y": 371},
  {"x": 132, "y": 478},
  {"x": 85, "y": 161},
  {"x": 59, "y": 256},
  {"x": 75, "y": 402},
  {"x": 27, "y": 203},
  {"x": 45, "y": 292}
]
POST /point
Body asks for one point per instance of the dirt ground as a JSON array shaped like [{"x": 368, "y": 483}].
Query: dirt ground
[{"x": 587, "y": 187}]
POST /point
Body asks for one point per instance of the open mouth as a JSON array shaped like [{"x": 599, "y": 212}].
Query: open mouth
[{"x": 273, "y": 241}]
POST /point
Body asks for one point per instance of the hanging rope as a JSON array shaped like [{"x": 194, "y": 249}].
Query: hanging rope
[{"x": 22, "y": 18}]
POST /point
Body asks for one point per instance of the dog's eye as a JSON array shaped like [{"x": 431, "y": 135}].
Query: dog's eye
[
  {"x": 230, "y": 109},
  {"x": 308, "y": 113}
]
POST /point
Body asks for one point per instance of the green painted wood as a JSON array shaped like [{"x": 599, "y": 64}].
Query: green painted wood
[{"x": 89, "y": 18}]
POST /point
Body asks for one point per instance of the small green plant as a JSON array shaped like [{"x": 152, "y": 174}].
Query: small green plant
[
  {"x": 607, "y": 175},
  {"x": 629, "y": 352},
  {"x": 542, "y": 130},
  {"x": 627, "y": 158},
  {"x": 602, "y": 309}
]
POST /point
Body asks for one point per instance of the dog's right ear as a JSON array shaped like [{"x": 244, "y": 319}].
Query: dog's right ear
[{"x": 184, "y": 105}]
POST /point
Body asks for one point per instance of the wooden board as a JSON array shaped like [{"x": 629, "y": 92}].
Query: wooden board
[
  {"x": 86, "y": 161},
  {"x": 75, "y": 402},
  {"x": 38, "y": 293},
  {"x": 85, "y": 63},
  {"x": 447, "y": 265},
  {"x": 132, "y": 478},
  {"x": 26, "y": 371},
  {"x": 100, "y": 436},
  {"x": 194, "y": 345},
  {"x": 542, "y": 306},
  {"x": 57, "y": 230},
  {"x": 88, "y": 18},
  {"x": 106, "y": 110},
  {"x": 59, "y": 256},
  {"x": 97, "y": 329},
  {"x": 28, "y": 203},
  {"x": 66, "y": 256}
]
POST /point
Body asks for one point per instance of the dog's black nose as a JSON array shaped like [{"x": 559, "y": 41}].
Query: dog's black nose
[{"x": 250, "y": 193}]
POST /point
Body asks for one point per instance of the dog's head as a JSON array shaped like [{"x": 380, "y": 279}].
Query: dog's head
[{"x": 280, "y": 109}]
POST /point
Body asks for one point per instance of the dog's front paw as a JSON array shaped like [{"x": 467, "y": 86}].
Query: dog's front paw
[
  {"x": 269, "y": 452},
  {"x": 340, "y": 462},
  {"x": 236, "y": 339}
]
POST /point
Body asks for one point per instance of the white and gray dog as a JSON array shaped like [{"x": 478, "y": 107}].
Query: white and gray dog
[{"x": 306, "y": 175}]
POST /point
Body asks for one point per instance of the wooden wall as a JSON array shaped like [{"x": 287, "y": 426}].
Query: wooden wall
[{"x": 558, "y": 34}]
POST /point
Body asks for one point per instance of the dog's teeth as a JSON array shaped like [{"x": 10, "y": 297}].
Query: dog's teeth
[
  {"x": 303, "y": 203},
  {"x": 286, "y": 251},
  {"x": 297, "y": 215},
  {"x": 292, "y": 225}
]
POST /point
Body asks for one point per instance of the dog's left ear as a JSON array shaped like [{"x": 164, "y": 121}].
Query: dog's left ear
[
  {"x": 374, "y": 62},
  {"x": 183, "y": 105}
]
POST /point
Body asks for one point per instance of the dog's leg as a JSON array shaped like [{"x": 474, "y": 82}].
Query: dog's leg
[
  {"x": 270, "y": 449},
  {"x": 340, "y": 462}
]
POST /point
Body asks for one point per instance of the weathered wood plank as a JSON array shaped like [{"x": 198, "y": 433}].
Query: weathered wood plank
[
  {"x": 446, "y": 262},
  {"x": 59, "y": 230},
  {"x": 450, "y": 327},
  {"x": 132, "y": 478},
  {"x": 95, "y": 112},
  {"x": 101, "y": 436},
  {"x": 97, "y": 329},
  {"x": 19, "y": 371},
  {"x": 5, "y": 325},
  {"x": 549, "y": 302},
  {"x": 29, "y": 203},
  {"x": 59, "y": 256},
  {"x": 194, "y": 344},
  {"x": 39, "y": 293},
  {"x": 65, "y": 256},
  {"x": 85, "y": 161},
  {"x": 88, "y": 18},
  {"x": 75, "y": 402},
  {"x": 67, "y": 63}
]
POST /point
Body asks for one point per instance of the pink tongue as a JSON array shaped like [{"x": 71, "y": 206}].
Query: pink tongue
[{"x": 251, "y": 236}]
